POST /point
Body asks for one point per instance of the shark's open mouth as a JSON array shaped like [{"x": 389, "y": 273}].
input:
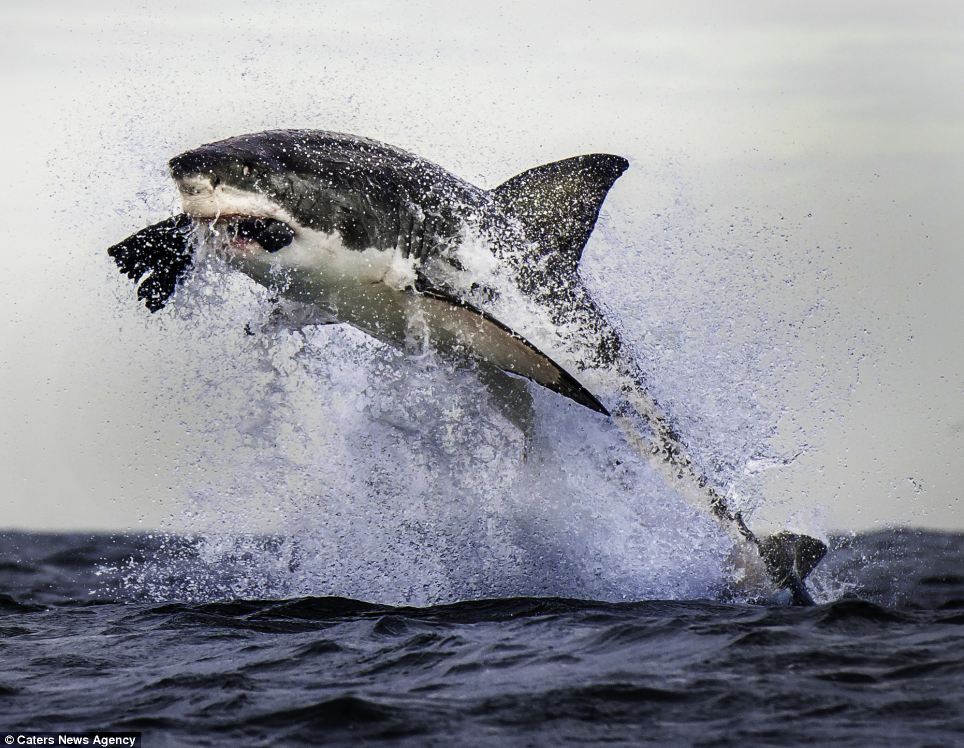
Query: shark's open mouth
[{"x": 271, "y": 234}]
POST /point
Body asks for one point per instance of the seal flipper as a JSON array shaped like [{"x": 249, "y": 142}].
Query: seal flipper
[
  {"x": 156, "y": 259},
  {"x": 496, "y": 344}
]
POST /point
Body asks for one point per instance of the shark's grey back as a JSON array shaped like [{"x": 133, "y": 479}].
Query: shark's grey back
[
  {"x": 316, "y": 152},
  {"x": 373, "y": 194}
]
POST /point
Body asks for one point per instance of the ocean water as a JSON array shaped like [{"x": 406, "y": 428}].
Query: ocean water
[
  {"x": 369, "y": 557},
  {"x": 88, "y": 644},
  {"x": 356, "y": 545}
]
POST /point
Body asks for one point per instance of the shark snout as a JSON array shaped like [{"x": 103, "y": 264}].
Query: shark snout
[
  {"x": 197, "y": 185},
  {"x": 248, "y": 220},
  {"x": 200, "y": 196}
]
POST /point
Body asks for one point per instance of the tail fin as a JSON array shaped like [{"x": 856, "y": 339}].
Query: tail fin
[
  {"x": 789, "y": 558},
  {"x": 558, "y": 204}
]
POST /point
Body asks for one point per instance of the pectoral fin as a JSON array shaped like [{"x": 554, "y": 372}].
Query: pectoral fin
[{"x": 463, "y": 325}]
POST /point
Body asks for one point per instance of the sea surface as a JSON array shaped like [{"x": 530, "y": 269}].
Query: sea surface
[{"x": 881, "y": 665}]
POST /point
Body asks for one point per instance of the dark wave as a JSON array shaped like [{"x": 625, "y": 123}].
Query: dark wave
[{"x": 878, "y": 666}]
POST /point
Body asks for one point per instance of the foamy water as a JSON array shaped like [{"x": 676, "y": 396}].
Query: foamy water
[{"x": 393, "y": 478}]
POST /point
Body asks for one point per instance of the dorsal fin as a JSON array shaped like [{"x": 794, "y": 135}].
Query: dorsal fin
[{"x": 558, "y": 204}]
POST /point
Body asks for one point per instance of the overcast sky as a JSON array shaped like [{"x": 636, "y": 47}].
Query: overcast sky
[{"x": 830, "y": 134}]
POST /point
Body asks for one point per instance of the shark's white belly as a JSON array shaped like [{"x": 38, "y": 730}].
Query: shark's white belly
[
  {"x": 372, "y": 290},
  {"x": 362, "y": 288}
]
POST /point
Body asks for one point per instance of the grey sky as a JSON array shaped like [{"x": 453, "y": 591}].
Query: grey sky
[{"x": 830, "y": 134}]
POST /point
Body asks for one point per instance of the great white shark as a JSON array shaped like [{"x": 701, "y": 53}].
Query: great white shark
[{"x": 344, "y": 229}]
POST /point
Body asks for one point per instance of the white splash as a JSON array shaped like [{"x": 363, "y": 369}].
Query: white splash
[{"x": 330, "y": 464}]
